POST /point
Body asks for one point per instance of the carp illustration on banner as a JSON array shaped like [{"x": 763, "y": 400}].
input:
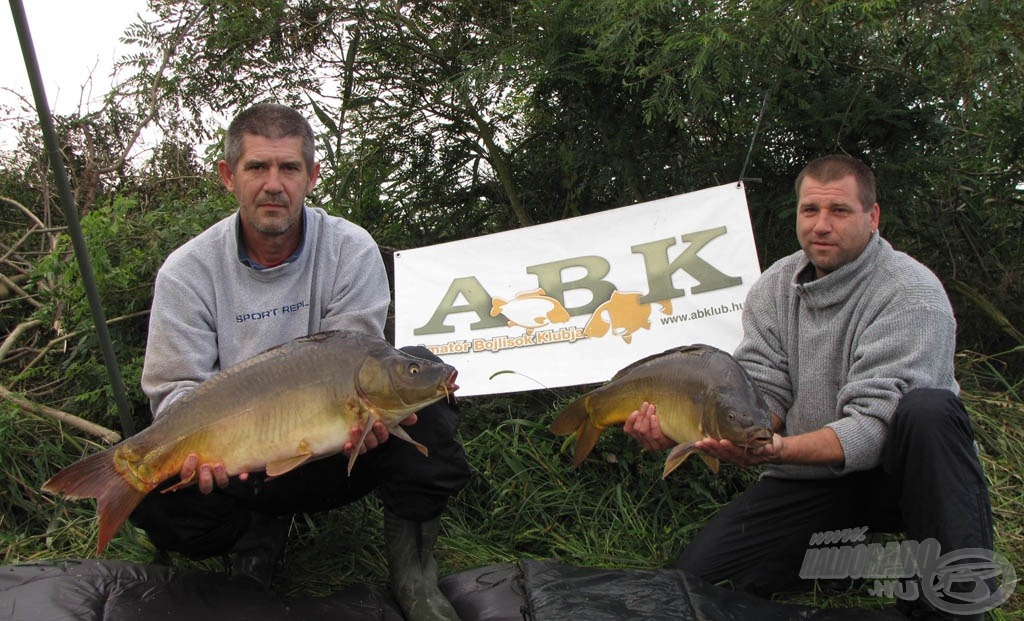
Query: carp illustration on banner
[{"x": 566, "y": 303}]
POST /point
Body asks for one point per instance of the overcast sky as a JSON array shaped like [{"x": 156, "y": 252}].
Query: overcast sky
[{"x": 73, "y": 39}]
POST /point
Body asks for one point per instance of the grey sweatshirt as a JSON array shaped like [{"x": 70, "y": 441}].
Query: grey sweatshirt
[
  {"x": 840, "y": 351},
  {"x": 211, "y": 310}
]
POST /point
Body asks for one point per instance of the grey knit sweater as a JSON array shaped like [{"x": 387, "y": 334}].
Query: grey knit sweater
[
  {"x": 841, "y": 351},
  {"x": 211, "y": 310}
]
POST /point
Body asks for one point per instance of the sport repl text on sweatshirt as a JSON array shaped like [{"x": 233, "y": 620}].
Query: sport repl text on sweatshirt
[{"x": 212, "y": 308}]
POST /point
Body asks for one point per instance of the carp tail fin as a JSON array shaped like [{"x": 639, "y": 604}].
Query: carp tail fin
[
  {"x": 96, "y": 477},
  {"x": 586, "y": 440},
  {"x": 570, "y": 418}
]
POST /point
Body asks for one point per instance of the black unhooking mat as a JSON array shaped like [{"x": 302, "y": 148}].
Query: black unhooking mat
[{"x": 529, "y": 590}]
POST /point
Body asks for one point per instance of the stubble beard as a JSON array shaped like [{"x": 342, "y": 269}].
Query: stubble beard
[{"x": 274, "y": 227}]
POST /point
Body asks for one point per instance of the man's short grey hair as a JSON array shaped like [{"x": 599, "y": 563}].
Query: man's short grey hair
[{"x": 270, "y": 120}]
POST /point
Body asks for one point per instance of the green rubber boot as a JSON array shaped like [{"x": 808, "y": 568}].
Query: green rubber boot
[{"x": 410, "y": 551}]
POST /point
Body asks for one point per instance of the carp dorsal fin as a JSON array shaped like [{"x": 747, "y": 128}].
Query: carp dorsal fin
[
  {"x": 698, "y": 349},
  {"x": 282, "y": 466}
]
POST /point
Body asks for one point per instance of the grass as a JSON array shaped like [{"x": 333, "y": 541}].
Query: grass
[{"x": 525, "y": 499}]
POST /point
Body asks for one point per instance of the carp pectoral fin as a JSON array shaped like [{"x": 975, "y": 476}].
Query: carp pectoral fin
[
  {"x": 367, "y": 425},
  {"x": 182, "y": 483},
  {"x": 352, "y": 460},
  {"x": 711, "y": 461},
  {"x": 282, "y": 466},
  {"x": 678, "y": 455},
  {"x": 401, "y": 433}
]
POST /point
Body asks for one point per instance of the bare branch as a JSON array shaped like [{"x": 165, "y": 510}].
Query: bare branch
[
  {"x": 70, "y": 335},
  {"x": 107, "y": 435},
  {"x": 151, "y": 99},
  {"x": 18, "y": 330},
  {"x": 24, "y": 210},
  {"x": 10, "y": 285}
]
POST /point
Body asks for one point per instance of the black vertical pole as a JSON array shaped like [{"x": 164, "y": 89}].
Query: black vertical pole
[
  {"x": 71, "y": 215},
  {"x": 753, "y": 139}
]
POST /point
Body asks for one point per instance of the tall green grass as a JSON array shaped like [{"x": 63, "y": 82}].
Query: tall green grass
[{"x": 525, "y": 499}]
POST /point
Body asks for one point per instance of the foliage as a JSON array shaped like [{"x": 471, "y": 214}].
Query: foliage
[
  {"x": 445, "y": 120},
  {"x": 126, "y": 247}
]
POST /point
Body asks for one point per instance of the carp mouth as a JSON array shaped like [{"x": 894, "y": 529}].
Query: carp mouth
[
  {"x": 758, "y": 437},
  {"x": 450, "y": 386}
]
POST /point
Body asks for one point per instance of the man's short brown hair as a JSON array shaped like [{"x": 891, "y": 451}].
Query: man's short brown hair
[{"x": 833, "y": 168}]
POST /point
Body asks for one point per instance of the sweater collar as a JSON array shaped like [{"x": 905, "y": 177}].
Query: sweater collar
[{"x": 837, "y": 287}]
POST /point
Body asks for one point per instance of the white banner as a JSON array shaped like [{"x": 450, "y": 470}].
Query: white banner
[{"x": 572, "y": 302}]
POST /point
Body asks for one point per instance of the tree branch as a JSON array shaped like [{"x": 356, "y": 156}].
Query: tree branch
[
  {"x": 24, "y": 210},
  {"x": 107, "y": 435},
  {"x": 13, "y": 336}
]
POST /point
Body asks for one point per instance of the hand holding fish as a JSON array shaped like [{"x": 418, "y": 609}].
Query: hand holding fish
[
  {"x": 820, "y": 448},
  {"x": 643, "y": 426},
  {"x": 725, "y": 450},
  {"x": 378, "y": 435},
  {"x": 206, "y": 474}
]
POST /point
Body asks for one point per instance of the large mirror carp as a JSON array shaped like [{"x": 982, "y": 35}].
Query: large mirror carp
[{"x": 276, "y": 411}]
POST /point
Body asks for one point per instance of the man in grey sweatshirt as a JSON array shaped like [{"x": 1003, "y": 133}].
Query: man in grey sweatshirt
[
  {"x": 273, "y": 271},
  {"x": 851, "y": 344}
]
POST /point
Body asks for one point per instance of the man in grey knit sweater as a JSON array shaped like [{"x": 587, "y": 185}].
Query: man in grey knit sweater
[
  {"x": 851, "y": 344},
  {"x": 273, "y": 271}
]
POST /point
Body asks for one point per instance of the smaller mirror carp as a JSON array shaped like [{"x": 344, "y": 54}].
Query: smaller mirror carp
[{"x": 700, "y": 391}]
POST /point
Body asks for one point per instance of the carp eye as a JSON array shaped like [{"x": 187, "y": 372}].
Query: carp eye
[{"x": 414, "y": 369}]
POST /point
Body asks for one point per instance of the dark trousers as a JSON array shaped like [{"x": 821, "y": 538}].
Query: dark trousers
[
  {"x": 411, "y": 485},
  {"x": 930, "y": 484}
]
